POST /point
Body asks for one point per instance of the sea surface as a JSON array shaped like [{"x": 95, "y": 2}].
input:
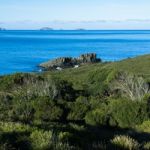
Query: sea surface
[{"x": 22, "y": 51}]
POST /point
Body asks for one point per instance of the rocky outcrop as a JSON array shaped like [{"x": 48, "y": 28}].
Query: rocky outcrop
[
  {"x": 69, "y": 62},
  {"x": 88, "y": 58}
]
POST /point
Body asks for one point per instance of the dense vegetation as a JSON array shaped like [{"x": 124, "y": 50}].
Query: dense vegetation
[{"x": 95, "y": 106}]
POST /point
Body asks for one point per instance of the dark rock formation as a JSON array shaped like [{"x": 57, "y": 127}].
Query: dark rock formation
[
  {"x": 88, "y": 58},
  {"x": 69, "y": 62}
]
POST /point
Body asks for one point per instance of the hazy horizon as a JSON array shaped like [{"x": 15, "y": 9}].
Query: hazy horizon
[{"x": 66, "y": 14}]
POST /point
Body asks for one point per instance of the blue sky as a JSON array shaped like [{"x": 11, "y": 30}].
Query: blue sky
[{"x": 70, "y": 14}]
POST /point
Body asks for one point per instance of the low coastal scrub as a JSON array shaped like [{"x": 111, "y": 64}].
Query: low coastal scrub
[
  {"x": 144, "y": 127},
  {"x": 95, "y": 106},
  {"x": 125, "y": 142},
  {"x": 118, "y": 112},
  {"x": 147, "y": 146},
  {"x": 131, "y": 86},
  {"x": 41, "y": 139}
]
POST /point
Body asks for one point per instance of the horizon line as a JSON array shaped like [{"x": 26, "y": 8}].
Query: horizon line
[{"x": 82, "y": 29}]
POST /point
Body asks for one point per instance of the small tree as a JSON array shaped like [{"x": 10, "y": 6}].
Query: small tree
[{"x": 131, "y": 86}]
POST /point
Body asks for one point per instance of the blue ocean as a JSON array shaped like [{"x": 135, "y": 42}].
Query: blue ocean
[{"x": 22, "y": 51}]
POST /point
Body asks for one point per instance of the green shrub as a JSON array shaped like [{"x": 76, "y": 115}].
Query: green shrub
[
  {"x": 125, "y": 142},
  {"x": 63, "y": 146},
  {"x": 144, "y": 127},
  {"x": 14, "y": 127},
  {"x": 5, "y": 146},
  {"x": 126, "y": 113},
  {"x": 97, "y": 117},
  {"x": 147, "y": 146},
  {"x": 47, "y": 110},
  {"x": 146, "y": 98},
  {"x": 64, "y": 136},
  {"x": 41, "y": 139},
  {"x": 120, "y": 112},
  {"x": 78, "y": 109},
  {"x": 7, "y": 82},
  {"x": 66, "y": 91},
  {"x": 5, "y": 106},
  {"x": 77, "y": 127},
  {"x": 98, "y": 146},
  {"x": 22, "y": 110}
]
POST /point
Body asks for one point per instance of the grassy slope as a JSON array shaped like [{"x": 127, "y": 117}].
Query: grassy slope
[
  {"x": 92, "y": 76},
  {"x": 104, "y": 72},
  {"x": 139, "y": 65}
]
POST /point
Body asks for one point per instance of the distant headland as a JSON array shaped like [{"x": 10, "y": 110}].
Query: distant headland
[
  {"x": 46, "y": 28},
  {"x": 50, "y": 29}
]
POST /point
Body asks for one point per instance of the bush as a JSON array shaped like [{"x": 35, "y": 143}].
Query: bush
[
  {"x": 146, "y": 98},
  {"x": 98, "y": 116},
  {"x": 5, "y": 146},
  {"x": 47, "y": 110},
  {"x": 64, "y": 136},
  {"x": 5, "y": 105},
  {"x": 78, "y": 109},
  {"x": 131, "y": 86},
  {"x": 32, "y": 87},
  {"x": 77, "y": 127},
  {"x": 120, "y": 112},
  {"x": 66, "y": 91},
  {"x": 97, "y": 146},
  {"x": 14, "y": 127},
  {"x": 144, "y": 127},
  {"x": 63, "y": 146},
  {"x": 126, "y": 113},
  {"x": 41, "y": 139},
  {"x": 147, "y": 146},
  {"x": 22, "y": 110},
  {"x": 125, "y": 142}
]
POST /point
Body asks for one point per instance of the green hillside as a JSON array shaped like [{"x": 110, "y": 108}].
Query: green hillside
[
  {"x": 139, "y": 65},
  {"x": 93, "y": 74},
  {"x": 96, "y": 106}
]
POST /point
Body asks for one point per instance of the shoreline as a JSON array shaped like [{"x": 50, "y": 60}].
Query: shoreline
[
  {"x": 76, "y": 30},
  {"x": 22, "y": 51},
  {"x": 42, "y": 70}
]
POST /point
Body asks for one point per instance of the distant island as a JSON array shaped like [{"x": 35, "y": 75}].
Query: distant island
[
  {"x": 81, "y": 29},
  {"x": 1, "y": 29},
  {"x": 46, "y": 28}
]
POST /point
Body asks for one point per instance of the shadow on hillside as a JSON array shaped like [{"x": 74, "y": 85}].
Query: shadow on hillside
[
  {"x": 84, "y": 136},
  {"x": 88, "y": 136}
]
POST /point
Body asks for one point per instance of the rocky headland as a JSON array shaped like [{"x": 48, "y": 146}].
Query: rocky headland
[{"x": 70, "y": 62}]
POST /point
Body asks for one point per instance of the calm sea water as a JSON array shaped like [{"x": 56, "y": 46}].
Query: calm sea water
[{"x": 22, "y": 51}]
